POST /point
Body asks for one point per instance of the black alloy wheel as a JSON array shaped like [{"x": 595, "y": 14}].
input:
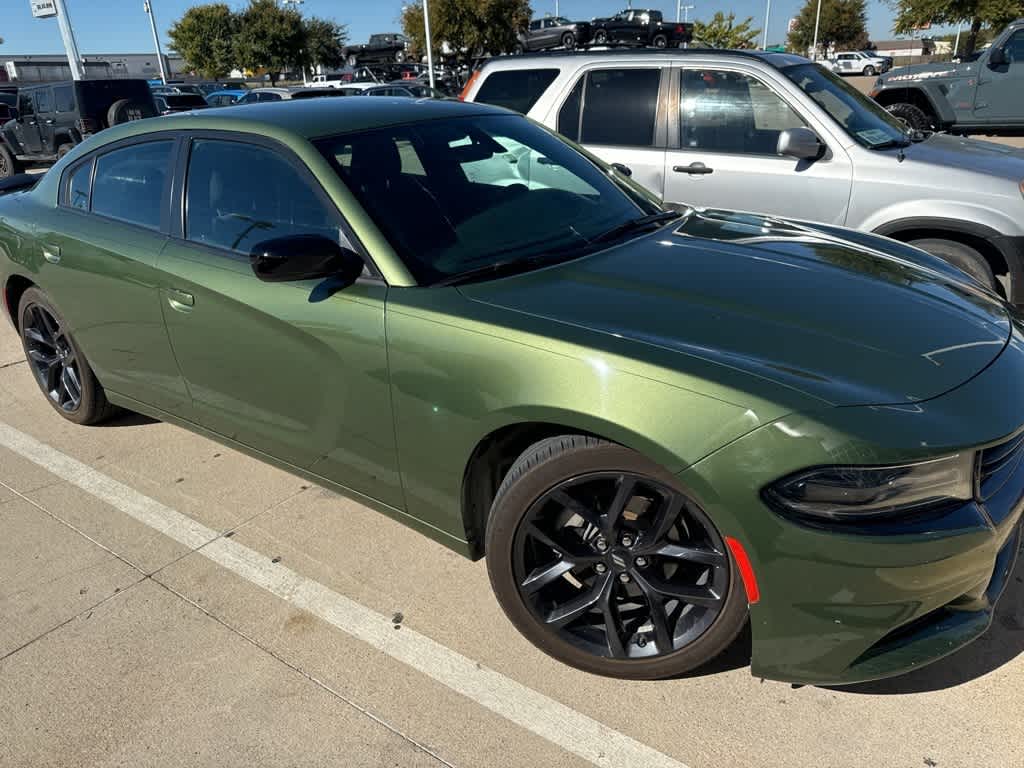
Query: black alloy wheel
[
  {"x": 52, "y": 357},
  {"x": 620, "y": 566}
]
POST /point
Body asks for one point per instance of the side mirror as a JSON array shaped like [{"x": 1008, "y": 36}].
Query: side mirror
[
  {"x": 801, "y": 143},
  {"x": 304, "y": 257},
  {"x": 997, "y": 57}
]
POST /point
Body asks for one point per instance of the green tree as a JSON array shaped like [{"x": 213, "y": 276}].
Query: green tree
[
  {"x": 470, "y": 27},
  {"x": 843, "y": 25},
  {"x": 204, "y": 37},
  {"x": 723, "y": 32},
  {"x": 269, "y": 38},
  {"x": 324, "y": 42},
  {"x": 913, "y": 14}
]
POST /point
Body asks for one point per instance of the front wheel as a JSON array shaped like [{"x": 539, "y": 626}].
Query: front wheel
[
  {"x": 9, "y": 165},
  {"x": 869, "y": 71},
  {"x": 601, "y": 38},
  {"x": 569, "y": 41},
  {"x": 399, "y": 56},
  {"x": 352, "y": 60},
  {"x": 604, "y": 562},
  {"x": 959, "y": 255},
  {"x": 60, "y": 369},
  {"x": 913, "y": 116}
]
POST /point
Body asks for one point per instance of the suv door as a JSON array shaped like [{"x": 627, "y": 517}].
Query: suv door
[
  {"x": 616, "y": 114},
  {"x": 46, "y": 119},
  {"x": 288, "y": 369},
  {"x": 27, "y": 127},
  {"x": 998, "y": 95},
  {"x": 847, "y": 62},
  {"x": 724, "y": 129}
]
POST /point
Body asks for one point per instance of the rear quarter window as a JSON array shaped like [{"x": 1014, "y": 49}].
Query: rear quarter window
[{"x": 516, "y": 89}]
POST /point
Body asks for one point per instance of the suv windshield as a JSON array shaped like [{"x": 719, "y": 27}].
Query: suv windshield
[
  {"x": 474, "y": 194},
  {"x": 869, "y": 124}
]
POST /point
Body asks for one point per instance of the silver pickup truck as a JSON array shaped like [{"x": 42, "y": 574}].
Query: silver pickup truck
[{"x": 775, "y": 133}]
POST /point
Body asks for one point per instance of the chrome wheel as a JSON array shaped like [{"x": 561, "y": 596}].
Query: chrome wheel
[
  {"x": 52, "y": 358},
  {"x": 620, "y": 566}
]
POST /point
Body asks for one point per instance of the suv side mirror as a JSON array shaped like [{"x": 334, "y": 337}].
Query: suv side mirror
[
  {"x": 304, "y": 257},
  {"x": 997, "y": 57},
  {"x": 801, "y": 143}
]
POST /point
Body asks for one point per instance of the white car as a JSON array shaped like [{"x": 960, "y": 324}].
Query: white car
[
  {"x": 333, "y": 80},
  {"x": 861, "y": 63}
]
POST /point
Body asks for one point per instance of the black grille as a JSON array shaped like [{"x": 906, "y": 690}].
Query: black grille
[{"x": 1001, "y": 477}]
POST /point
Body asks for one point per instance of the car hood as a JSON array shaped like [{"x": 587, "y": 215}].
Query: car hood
[
  {"x": 837, "y": 319},
  {"x": 938, "y": 70},
  {"x": 963, "y": 154}
]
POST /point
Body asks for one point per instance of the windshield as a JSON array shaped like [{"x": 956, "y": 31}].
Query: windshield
[
  {"x": 869, "y": 124},
  {"x": 464, "y": 194}
]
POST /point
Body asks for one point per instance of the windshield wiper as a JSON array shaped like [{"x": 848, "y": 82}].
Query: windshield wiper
[
  {"x": 510, "y": 267},
  {"x": 891, "y": 143},
  {"x": 635, "y": 224}
]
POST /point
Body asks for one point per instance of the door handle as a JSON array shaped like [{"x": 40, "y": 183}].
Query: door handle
[
  {"x": 180, "y": 301},
  {"x": 694, "y": 169},
  {"x": 50, "y": 122},
  {"x": 625, "y": 170},
  {"x": 51, "y": 253}
]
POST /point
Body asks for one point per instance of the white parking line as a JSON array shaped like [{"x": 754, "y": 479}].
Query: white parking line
[{"x": 547, "y": 718}]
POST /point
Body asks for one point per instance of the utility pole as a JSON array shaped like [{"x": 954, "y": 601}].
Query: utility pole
[
  {"x": 767, "y": 14},
  {"x": 70, "y": 46},
  {"x": 817, "y": 22},
  {"x": 430, "y": 51},
  {"x": 685, "y": 9},
  {"x": 164, "y": 75},
  {"x": 956, "y": 45}
]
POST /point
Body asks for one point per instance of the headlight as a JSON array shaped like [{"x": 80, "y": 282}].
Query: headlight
[{"x": 846, "y": 494}]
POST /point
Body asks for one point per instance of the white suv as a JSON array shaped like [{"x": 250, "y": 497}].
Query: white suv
[{"x": 861, "y": 63}]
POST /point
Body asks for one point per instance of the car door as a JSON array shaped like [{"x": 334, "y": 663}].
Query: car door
[
  {"x": 549, "y": 33},
  {"x": 614, "y": 112},
  {"x": 64, "y": 109},
  {"x": 292, "y": 370},
  {"x": 999, "y": 92},
  {"x": 101, "y": 247},
  {"x": 846, "y": 62},
  {"x": 27, "y": 127},
  {"x": 724, "y": 132},
  {"x": 46, "y": 119}
]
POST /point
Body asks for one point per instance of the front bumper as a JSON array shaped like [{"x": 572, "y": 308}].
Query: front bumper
[{"x": 842, "y": 605}]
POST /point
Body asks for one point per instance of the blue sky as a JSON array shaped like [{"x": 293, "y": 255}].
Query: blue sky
[{"x": 120, "y": 26}]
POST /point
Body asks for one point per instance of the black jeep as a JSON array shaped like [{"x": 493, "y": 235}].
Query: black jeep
[{"x": 49, "y": 120}]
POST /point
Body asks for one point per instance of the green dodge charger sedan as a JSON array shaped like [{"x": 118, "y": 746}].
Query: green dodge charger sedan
[{"x": 657, "y": 425}]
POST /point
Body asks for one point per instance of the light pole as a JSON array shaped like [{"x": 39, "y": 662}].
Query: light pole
[
  {"x": 430, "y": 52},
  {"x": 685, "y": 10},
  {"x": 295, "y": 4},
  {"x": 74, "y": 58},
  {"x": 148, "y": 6},
  {"x": 956, "y": 45},
  {"x": 817, "y": 22},
  {"x": 767, "y": 14}
]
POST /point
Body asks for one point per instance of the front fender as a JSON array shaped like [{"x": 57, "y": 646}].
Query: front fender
[{"x": 954, "y": 213}]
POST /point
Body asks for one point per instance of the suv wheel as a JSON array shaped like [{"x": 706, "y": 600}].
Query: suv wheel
[
  {"x": 63, "y": 149},
  {"x": 870, "y": 71},
  {"x": 913, "y": 116},
  {"x": 9, "y": 165},
  {"x": 399, "y": 56},
  {"x": 352, "y": 60},
  {"x": 569, "y": 41},
  {"x": 660, "y": 41},
  {"x": 601, "y": 37},
  {"x": 603, "y": 561},
  {"x": 962, "y": 256}
]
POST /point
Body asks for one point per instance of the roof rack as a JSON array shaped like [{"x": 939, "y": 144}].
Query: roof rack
[{"x": 624, "y": 51}]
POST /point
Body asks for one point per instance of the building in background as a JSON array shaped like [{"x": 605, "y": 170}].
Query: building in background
[{"x": 45, "y": 68}]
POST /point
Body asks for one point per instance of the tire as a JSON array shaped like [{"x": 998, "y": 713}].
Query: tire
[
  {"x": 522, "y": 507},
  {"x": 91, "y": 406},
  {"x": 869, "y": 71},
  {"x": 660, "y": 41},
  {"x": 9, "y": 165},
  {"x": 601, "y": 37},
  {"x": 913, "y": 116},
  {"x": 569, "y": 41},
  {"x": 399, "y": 56},
  {"x": 63, "y": 149},
  {"x": 352, "y": 60},
  {"x": 962, "y": 256},
  {"x": 126, "y": 110},
  {"x": 519, "y": 49}
]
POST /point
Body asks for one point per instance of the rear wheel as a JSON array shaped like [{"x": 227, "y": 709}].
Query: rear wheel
[
  {"x": 60, "y": 369},
  {"x": 9, "y": 165},
  {"x": 869, "y": 71},
  {"x": 660, "y": 41},
  {"x": 601, "y": 37},
  {"x": 569, "y": 41},
  {"x": 913, "y": 116},
  {"x": 63, "y": 149},
  {"x": 959, "y": 255},
  {"x": 603, "y": 561}
]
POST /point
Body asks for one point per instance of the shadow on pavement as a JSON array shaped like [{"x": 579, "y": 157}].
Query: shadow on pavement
[
  {"x": 1003, "y": 642},
  {"x": 129, "y": 419}
]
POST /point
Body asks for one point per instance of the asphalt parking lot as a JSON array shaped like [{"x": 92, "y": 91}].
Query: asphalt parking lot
[{"x": 167, "y": 601}]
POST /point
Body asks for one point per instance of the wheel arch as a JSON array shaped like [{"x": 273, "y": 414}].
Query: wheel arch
[
  {"x": 13, "y": 290},
  {"x": 922, "y": 97}
]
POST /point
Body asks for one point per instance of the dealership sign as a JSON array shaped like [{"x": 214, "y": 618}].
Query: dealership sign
[{"x": 43, "y": 9}]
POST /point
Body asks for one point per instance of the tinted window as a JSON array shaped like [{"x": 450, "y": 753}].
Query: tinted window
[
  {"x": 270, "y": 97},
  {"x": 78, "y": 187},
  {"x": 249, "y": 98},
  {"x": 25, "y": 104},
  {"x": 620, "y": 107},
  {"x": 730, "y": 112},
  {"x": 569, "y": 114},
  {"x": 44, "y": 100},
  {"x": 240, "y": 194},
  {"x": 516, "y": 89},
  {"x": 1015, "y": 47},
  {"x": 460, "y": 194},
  {"x": 129, "y": 183},
  {"x": 64, "y": 98}
]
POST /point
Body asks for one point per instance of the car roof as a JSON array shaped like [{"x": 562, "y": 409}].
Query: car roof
[
  {"x": 770, "y": 58},
  {"x": 304, "y": 118}
]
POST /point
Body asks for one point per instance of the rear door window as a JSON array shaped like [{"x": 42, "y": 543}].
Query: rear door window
[
  {"x": 78, "y": 187},
  {"x": 516, "y": 89},
  {"x": 44, "y": 100},
  {"x": 64, "y": 98},
  {"x": 130, "y": 182},
  {"x": 619, "y": 108}
]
